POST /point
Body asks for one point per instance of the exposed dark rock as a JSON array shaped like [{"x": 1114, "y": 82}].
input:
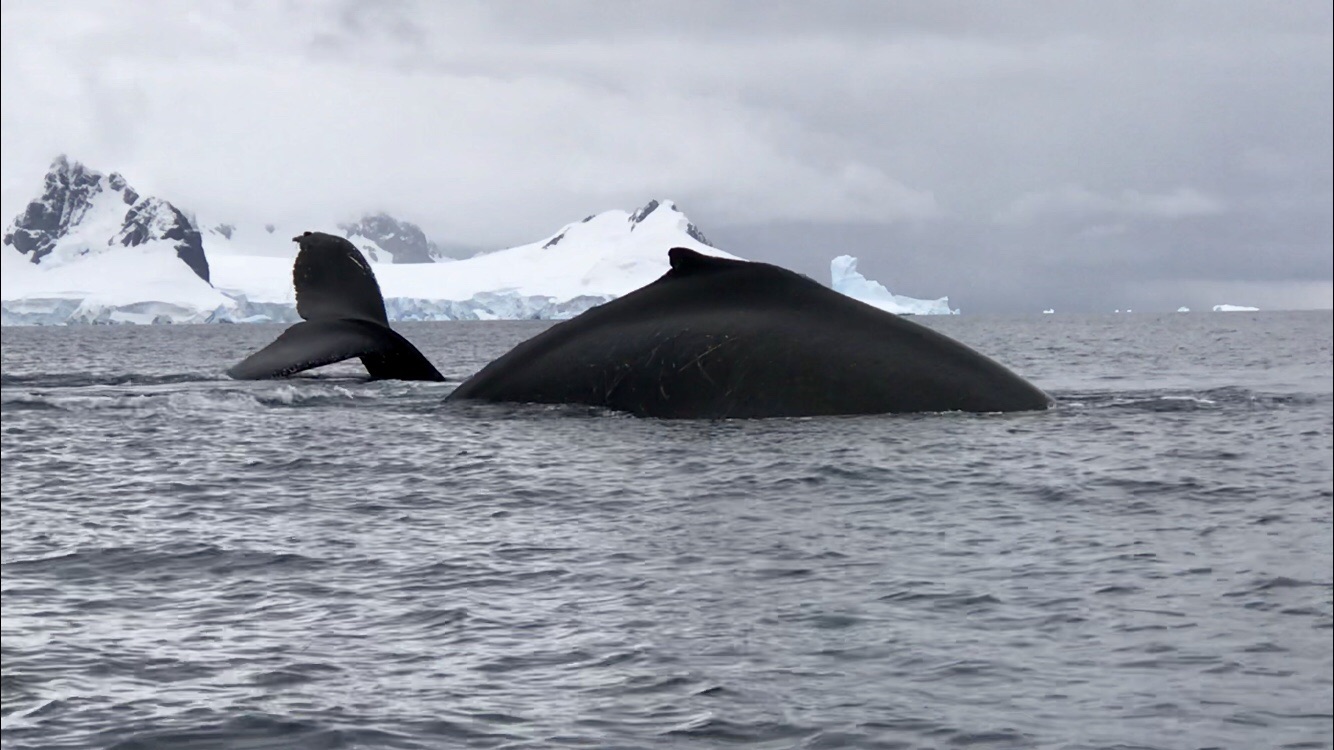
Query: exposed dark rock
[
  {"x": 643, "y": 212},
  {"x": 156, "y": 219},
  {"x": 70, "y": 189},
  {"x": 405, "y": 241},
  {"x": 67, "y": 194},
  {"x": 225, "y": 230},
  {"x": 693, "y": 231},
  {"x": 638, "y": 216}
]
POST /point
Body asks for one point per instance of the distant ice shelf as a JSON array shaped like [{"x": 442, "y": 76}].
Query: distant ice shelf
[{"x": 486, "y": 306}]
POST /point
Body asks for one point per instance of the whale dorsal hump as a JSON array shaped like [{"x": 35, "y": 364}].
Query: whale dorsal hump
[
  {"x": 334, "y": 281},
  {"x": 687, "y": 262}
]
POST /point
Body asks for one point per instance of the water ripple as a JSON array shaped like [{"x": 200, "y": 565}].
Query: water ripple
[{"x": 329, "y": 562}]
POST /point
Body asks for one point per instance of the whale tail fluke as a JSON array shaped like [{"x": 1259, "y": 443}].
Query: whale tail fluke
[
  {"x": 337, "y": 295},
  {"x": 333, "y": 281},
  {"x": 384, "y": 352}
]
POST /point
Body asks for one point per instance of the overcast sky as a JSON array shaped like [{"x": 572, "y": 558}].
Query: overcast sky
[{"x": 1014, "y": 156}]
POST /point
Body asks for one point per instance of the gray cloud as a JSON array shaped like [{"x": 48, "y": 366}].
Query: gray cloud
[
  {"x": 1080, "y": 201},
  {"x": 996, "y": 152}
]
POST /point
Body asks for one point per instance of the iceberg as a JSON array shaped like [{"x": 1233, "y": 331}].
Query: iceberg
[
  {"x": 1235, "y": 308},
  {"x": 1183, "y": 308},
  {"x": 845, "y": 279}
]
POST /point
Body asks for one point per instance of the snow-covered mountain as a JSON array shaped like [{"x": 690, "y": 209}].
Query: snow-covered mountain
[
  {"x": 582, "y": 265},
  {"x": 90, "y": 250},
  {"x": 84, "y": 213},
  {"x": 382, "y": 238}
]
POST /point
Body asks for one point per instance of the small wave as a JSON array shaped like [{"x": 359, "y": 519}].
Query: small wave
[
  {"x": 253, "y": 730},
  {"x": 286, "y": 395},
  {"x": 26, "y": 403},
  {"x": 719, "y": 730},
  {"x": 113, "y": 400},
  {"x": 654, "y": 683},
  {"x": 1262, "y": 585},
  {"x": 298, "y": 673},
  {"x": 166, "y": 562},
  {"x": 170, "y": 396},
  {"x": 432, "y": 617},
  {"x": 1187, "y": 401},
  {"x": 88, "y": 379}
]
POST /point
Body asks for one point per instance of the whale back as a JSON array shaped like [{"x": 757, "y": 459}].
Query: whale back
[{"x": 716, "y": 337}]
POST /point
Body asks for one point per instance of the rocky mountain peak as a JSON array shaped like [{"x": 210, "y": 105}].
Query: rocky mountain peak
[
  {"x": 658, "y": 207},
  {"x": 403, "y": 241},
  {"x": 68, "y": 191},
  {"x": 643, "y": 213},
  {"x": 75, "y": 198},
  {"x": 156, "y": 219},
  {"x": 653, "y": 212}
]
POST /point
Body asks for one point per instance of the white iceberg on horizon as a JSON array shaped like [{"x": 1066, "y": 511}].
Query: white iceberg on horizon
[
  {"x": 1235, "y": 308},
  {"x": 845, "y": 279}
]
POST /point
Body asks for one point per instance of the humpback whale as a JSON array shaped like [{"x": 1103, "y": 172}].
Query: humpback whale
[
  {"x": 713, "y": 338},
  {"x": 720, "y": 338},
  {"x": 340, "y": 301}
]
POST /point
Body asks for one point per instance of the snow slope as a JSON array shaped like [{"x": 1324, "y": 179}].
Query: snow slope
[
  {"x": 143, "y": 284},
  {"x": 606, "y": 255}
]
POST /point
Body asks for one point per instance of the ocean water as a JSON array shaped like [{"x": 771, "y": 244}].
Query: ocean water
[{"x": 193, "y": 562}]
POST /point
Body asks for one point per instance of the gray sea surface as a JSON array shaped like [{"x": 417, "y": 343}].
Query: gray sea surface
[{"x": 325, "y": 562}]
